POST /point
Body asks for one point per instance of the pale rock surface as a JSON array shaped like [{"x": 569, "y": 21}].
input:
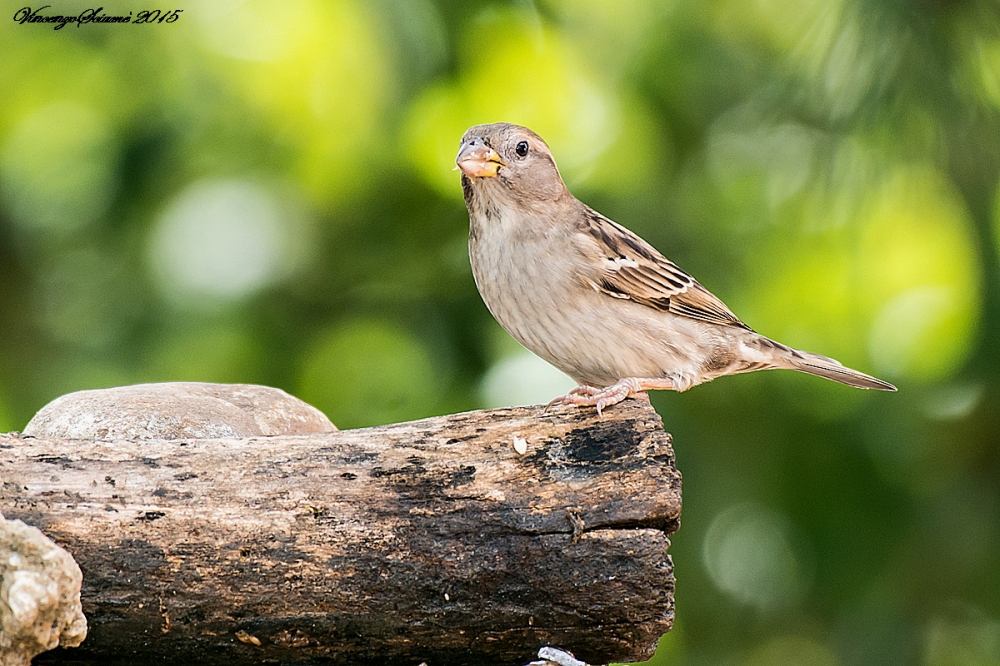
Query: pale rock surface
[
  {"x": 39, "y": 595},
  {"x": 177, "y": 410}
]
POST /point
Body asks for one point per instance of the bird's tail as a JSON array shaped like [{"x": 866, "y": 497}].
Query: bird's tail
[
  {"x": 825, "y": 367},
  {"x": 821, "y": 366}
]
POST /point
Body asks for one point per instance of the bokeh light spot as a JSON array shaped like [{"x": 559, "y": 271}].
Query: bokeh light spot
[
  {"x": 919, "y": 284},
  {"x": 223, "y": 241},
  {"x": 749, "y": 555},
  {"x": 905, "y": 330},
  {"x": 522, "y": 379},
  {"x": 249, "y": 29},
  {"x": 953, "y": 402}
]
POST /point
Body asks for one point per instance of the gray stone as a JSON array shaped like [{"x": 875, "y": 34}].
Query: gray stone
[
  {"x": 177, "y": 410},
  {"x": 39, "y": 595}
]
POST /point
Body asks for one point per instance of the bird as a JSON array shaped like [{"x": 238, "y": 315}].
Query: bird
[{"x": 590, "y": 296}]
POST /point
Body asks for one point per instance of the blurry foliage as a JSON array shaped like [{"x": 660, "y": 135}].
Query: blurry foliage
[{"x": 263, "y": 192}]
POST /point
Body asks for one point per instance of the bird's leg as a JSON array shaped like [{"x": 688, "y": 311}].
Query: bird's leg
[{"x": 630, "y": 387}]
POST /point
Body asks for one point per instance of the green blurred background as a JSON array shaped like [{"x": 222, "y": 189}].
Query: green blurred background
[{"x": 263, "y": 192}]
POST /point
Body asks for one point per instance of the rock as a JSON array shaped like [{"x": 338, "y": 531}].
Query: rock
[
  {"x": 39, "y": 595},
  {"x": 177, "y": 410}
]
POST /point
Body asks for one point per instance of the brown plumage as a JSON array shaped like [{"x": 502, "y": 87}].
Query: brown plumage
[{"x": 591, "y": 297}]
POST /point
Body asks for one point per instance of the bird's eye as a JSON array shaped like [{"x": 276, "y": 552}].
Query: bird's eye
[{"x": 521, "y": 148}]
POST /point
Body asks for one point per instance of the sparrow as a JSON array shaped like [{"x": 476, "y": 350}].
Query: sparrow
[{"x": 591, "y": 297}]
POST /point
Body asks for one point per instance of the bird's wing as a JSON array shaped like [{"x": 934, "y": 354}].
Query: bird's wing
[{"x": 630, "y": 268}]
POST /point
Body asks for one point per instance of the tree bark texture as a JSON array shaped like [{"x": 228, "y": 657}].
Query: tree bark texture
[{"x": 431, "y": 541}]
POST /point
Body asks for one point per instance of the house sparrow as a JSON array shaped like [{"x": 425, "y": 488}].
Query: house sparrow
[{"x": 591, "y": 297}]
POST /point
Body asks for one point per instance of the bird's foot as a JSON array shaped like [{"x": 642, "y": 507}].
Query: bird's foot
[
  {"x": 581, "y": 392},
  {"x": 630, "y": 387}
]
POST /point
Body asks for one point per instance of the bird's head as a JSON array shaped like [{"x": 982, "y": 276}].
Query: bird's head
[{"x": 508, "y": 164}]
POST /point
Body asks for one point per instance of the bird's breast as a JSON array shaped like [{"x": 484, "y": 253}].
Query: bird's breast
[{"x": 515, "y": 269}]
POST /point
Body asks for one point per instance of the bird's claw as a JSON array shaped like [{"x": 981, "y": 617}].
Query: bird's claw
[
  {"x": 569, "y": 398},
  {"x": 589, "y": 396}
]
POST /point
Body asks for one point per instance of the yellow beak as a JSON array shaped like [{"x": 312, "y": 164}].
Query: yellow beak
[{"x": 477, "y": 160}]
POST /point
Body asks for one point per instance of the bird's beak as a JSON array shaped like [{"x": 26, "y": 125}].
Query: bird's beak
[{"x": 477, "y": 160}]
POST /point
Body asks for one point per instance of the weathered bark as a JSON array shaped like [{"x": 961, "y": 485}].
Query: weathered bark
[{"x": 426, "y": 541}]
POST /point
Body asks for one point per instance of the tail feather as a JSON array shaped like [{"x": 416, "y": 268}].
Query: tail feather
[
  {"x": 821, "y": 366},
  {"x": 783, "y": 356}
]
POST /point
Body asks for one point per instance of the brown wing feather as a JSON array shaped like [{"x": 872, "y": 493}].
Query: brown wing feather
[{"x": 633, "y": 269}]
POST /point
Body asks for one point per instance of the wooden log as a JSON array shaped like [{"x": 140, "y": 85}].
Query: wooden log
[{"x": 431, "y": 541}]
